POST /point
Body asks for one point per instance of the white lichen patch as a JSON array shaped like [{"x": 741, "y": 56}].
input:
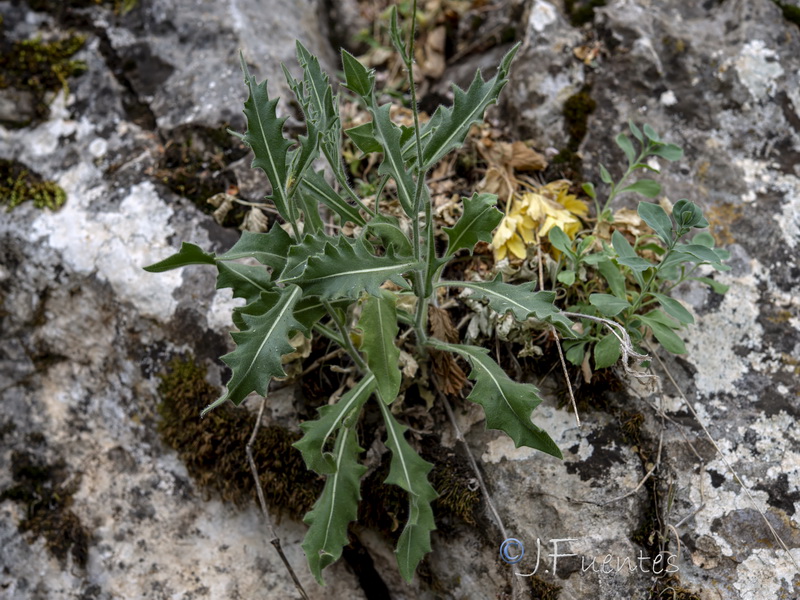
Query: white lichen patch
[
  {"x": 222, "y": 305},
  {"x": 765, "y": 572},
  {"x": 542, "y": 15},
  {"x": 115, "y": 246},
  {"x": 733, "y": 326},
  {"x": 758, "y": 68}
]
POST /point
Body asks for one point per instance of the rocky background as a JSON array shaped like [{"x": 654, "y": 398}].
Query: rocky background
[{"x": 124, "y": 129}]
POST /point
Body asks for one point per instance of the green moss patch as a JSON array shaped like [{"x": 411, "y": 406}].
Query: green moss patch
[
  {"x": 19, "y": 184},
  {"x": 42, "y": 488},
  {"x": 213, "y": 448},
  {"x": 38, "y": 68}
]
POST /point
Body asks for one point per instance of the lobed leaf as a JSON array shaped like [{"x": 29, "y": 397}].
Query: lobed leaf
[
  {"x": 315, "y": 186},
  {"x": 267, "y": 248},
  {"x": 336, "y": 507},
  {"x": 264, "y": 135},
  {"x": 317, "y": 433},
  {"x": 477, "y": 223},
  {"x": 409, "y": 471},
  {"x": 389, "y": 137},
  {"x": 508, "y": 405},
  {"x": 453, "y": 124},
  {"x": 257, "y": 357},
  {"x": 247, "y": 281},
  {"x": 347, "y": 269},
  {"x": 522, "y": 300}
]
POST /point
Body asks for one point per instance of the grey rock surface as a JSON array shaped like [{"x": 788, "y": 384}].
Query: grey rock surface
[{"x": 85, "y": 330}]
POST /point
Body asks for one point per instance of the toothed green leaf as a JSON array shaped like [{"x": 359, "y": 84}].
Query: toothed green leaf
[
  {"x": 247, "y": 281},
  {"x": 267, "y": 248},
  {"x": 388, "y": 136},
  {"x": 189, "y": 255},
  {"x": 317, "y": 433},
  {"x": 257, "y": 357},
  {"x": 477, "y": 223},
  {"x": 523, "y": 300},
  {"x": 363, "y": 137},
  {"x": 453, "y": 124},
  {"x": 315, "y": 186},
  {"x": 409, "y": 471},
  {"x": 347, "y": 269},
  {"x": 265, "y": 136},
  {"x": 378, "y": 324},
  {"x": 508, "y": 404},
  {"x": 336, "y": 507}
]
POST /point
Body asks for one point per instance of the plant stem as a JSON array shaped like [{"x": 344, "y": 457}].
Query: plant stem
[{"x": 345, "y": 340}]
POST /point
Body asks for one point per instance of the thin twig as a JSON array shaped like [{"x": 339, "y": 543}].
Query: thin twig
[
  {"x": 727, "y": 464},
  {"x": 566, "y": 376},
  {"x": 275, "y": 541}
]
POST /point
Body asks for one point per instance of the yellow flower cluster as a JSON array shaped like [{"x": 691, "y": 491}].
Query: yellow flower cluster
[{"x": 534, "y": 214}]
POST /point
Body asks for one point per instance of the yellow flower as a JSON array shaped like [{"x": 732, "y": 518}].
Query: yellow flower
[
  {"x": 534, "y": 214},
  {"x": 506, "y": 239}
]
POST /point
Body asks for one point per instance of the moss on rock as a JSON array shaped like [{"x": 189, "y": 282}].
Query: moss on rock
[
  {"x": 19, "y": 184},
  {"x": 35, "y": 68}
]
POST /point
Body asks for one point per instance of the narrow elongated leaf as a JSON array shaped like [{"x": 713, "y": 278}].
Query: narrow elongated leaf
[
  {"x": 624, "y": 142},
  {"x": 674, "y": 308},
  {"x": 348, "y": 269},
  {"x": 614, "y": 278},
  {"x": 646, "y": 187},
  {"x": 247, "y": 281},
  {"x": 508, "y": 405},
  {"x": 314, "y": 184},
  {"x": 378, "y": 324},
  {"x": 635, "y": 131},
  {"x": 650, "y": 133},
  {"x": 267, "y": 248},
  {"x": 607, "y": 304},
  {"x": 356, "y": 76},
  {"x": 670, "y": 152},
  {"x": 409, "y": 471},
  {"x": 317, "y": 433},
  {"x": 265, "y": 136},
  {"x": 388, "y": 135},
  {"x": 189, "y": 254},
  {"x": 523, "y": 300},
  {"x": 665, "y": 336},
  {"x": 605, "y": 176},
  {"x": 336, "y": 507},
  {"x": 257, "y": 357},
  {"x": 658, "y": 219},
  {"x": 704, "y": 254},
  {"x": 477, "y": 223},
  {"x": 635, "y": 263},
  {"x": 719, "y": 288},
  {"x": 468, "y": 108},
  {"x": 626, "y": 252}
]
